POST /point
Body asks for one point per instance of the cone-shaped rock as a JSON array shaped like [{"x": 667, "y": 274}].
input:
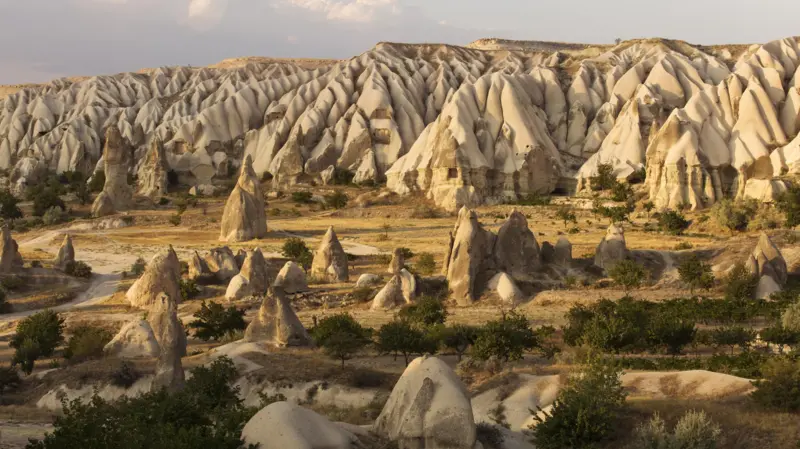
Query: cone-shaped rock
[
  {"x": 562, "y": 253},
  {"x": 252, "y": 280},
  {"x": 469, "y": 258},
  {"x": 505, "y": 288},
  {"x": 767, "y": 260},
  {"x": 612, "y": 249},
  {"x": 198, "y": 267},
  {"x": 244, "y": 217},
  {"x": 516, "y": 251},
  {"x": 135, "y": 340},
  {"x": 116, "y": 195},
  {"x": 429, "y": 408},
  {"x": 292, "y": 278},
  {"x": 66, "y": 253},
  {"x": 330, "y": 260},
  {"x": 10, "y": 259},
  {"x": 161, "y": 276},
  {"x": 169, "y": 333},
  {"x": 398, "y": 261},
  {"x": 153, "y": 171},
  {"x": 399, "y": 291},
  {"x": 276, "y": 323},
  {"x": 222, "y": 263},
  {"x": 283, "y": 425}
]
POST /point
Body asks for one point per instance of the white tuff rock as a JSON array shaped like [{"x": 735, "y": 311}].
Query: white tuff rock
[
  {"x": 282, "y": 425},
  {"x": 291, "y": 278},
  {"x": 161, "y": 276},
  {"x": 612, "y": 249},
  {"x": 276, "y": 323},
  {"x": 330, "y": 260},
  {"x": 117, "y": 194},
  {"x": 66, "y": 253},
  {"x": 135, "y": 340},
  {"x": 244, "y": 217}
]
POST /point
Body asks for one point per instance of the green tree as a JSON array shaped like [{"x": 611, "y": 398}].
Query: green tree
[
  {"x": 732, "y": 336},
  {"x": 740, "y": 284},
  {"x": 566, "y": 215},
  {"x": 648, "y": 207},
  {"x": 86, "y": 342},
  {"x": 9, "y": 379},
  {"x": 695, "y": 273},
  {"x": 295, "y": 248},
  {"x": 730, "y": 215},
  {"x": 605, "y": 178},
  {"x": 615, "y": 214},
  {"x": 425, "y": 264},
  {"x": 400, "y": 337},
  {"x": 615, "y": 327},
  {"x": 340, "y": 336},
  {"x": 628, "y": 274},
  {"x": 213, "y": 321},
  {"x": 46, "y": 198},
  {"x": 37, "y": 336},
  {"x": 505, "y": 339},
  {"x": 458, "y": 338},
  {"x": 779, "y": 388},
  {"x": 9, "y": 206},
  {"x": 336, "y": 200},
  {"x": 426, "y": 312},
  {"x": 780, "y": 336},
  {"x": 189, "y": 289},
  {"x": 672, "y": 222},
  {"x": 78, "y": 269},
  {"x": 789, "y": 203},
  {"x": 586, "y": 411},
  {"x": 671, "y": 332},
  {"x": 621, "y": 191}
]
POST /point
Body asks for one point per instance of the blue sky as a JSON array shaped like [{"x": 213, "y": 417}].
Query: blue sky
[{"x": 45, "y": 39}]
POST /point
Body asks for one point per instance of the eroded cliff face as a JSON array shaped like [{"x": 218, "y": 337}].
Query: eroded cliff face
[{"x": 462, "y": 125}]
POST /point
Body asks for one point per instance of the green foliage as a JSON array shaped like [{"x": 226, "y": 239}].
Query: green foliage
[
  {"x": 97, "y": 182},
  {"x": 740, "y": 284},
  {"x": 619, "y": 326},
  {"x": 137, "y": 269},
  {"x": 189, "y": 289},
  {"x": 489, "y": 436},
  {"x": 733, "y": 336},
  {"x": 746, "y": 364},
  {"x": 336, "y": 200},
  {"x": 400, "y": 337},
  {"x": 505, "y": 339},
  {"x": 534, "y": 199},
  {"x": 206, "y": 414},
  {"x": 37, "y": 336},
  {"x": 780, "y": 387},
  {"x": 671, "y": 332},
  {"x": 406, "y": 253},
  {"x": 585, "y": 412},
  {"x": 615, "y": 214},
  {"x": 86, "y": 342},
  {"x": 9, "y": 379},
  {"x": 566, "y": 215},
  {"x": 781, "y": 336},
  {"x": 731, "y": 215},
  {"x": 125, "y": 376},
  {"x": 78, "y": 269},
  {"x": 426, "y": 312},
  {"x": 175, "y": 219},
  {"x": 791, "y": 317},
  {"x": 342, "y": 177},
  {"x": 425, "y": 264},
  {"x": 295, "y": 248},
  {"x": 628, "y": 274},
  {"x": 789, "y": 204},
  {"x": 213, "y": 321},
  {"x": 621, "y": 191},
  {"x": 302, "y": 197},
  {"x": 694, "y": 430},
  {"x": 45, "y": 197},
  {"x": 648, "y": 207},
  {"x": 5, "y": 307},
  {"x": 695, "y": 273},
  {"x": 605, "y": 179},
  {"x": 458, "y": 338},
  {"x": 340, "y": 336},
  {"x": 54, "y": 215},
  {"x": 672, "y": 222},
  {"x": 9, "y": 206}
]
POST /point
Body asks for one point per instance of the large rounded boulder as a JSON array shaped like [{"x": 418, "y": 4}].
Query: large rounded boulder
[{"x": 282, "y": 425}]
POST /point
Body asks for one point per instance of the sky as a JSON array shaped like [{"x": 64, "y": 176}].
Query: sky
[{"x": 45, "y": 39}]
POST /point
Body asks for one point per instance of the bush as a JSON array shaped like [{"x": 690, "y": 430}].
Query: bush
[
  {"x": 9, "y": 206},
  {"x": 566, "y": 215},
  {"x": 37, "y": 336},
  {"x": 615, "y": 327},
  {"x": 5, "y": 307},
  {"x": 206, "y": 413},
  {"x": 340, "y": 336},
  {"x": 780, "y": 387},
  {"x": 585, "y": 412},
  {"x": 189, "y": 289},
  {"x": 534, "y": 199},
  {"x": 97, "y": 182},
  {"x": 732, "y": 336},
  {"x": 621, "y": 191},
  {"x": 605, "y": 178},
  {"x": 789, "y": 203},
  {"x": 628, "y": 274},
  {"x": 458, "y": 338},
  {"x": 342, "y": 177},
  {"x": 295, "y": 248},
  {"x": 426, "y": 312},
  {"x": 137, "y": 269},
  {"x": 425, "y": 264},
  {"x": 302, "y": 197},
  {"x": 86, "y": 342},
  {"x": 400, "y": 337},
  {"x": 78, "y": 269},
  {"x": 9, "y": 379},
  {"x": 694, "y": 430},
  {"x": 54, "y": 215},
  {"x": 125, "y": 376},
  {"x": 671, "y": 332},
  {"x": 672, "y": 222},
  {"x": 336, "y": 200},
  {"x": 695, "y": 273},
  {"x": 175, "y": 220},
  {"x": 740, "y": 284},
  {"x": 214, "y": 321},
  {"x": 504, "y": 339},
  {"x": 731, "y": 215},
  {"x": 790, "y": 319},
  {"x": 489, "y": 436}
]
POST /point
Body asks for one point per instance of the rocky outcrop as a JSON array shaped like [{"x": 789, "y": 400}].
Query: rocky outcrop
[
  {"x": 469, "y": 262},
  {"x": 283, "y": 425},
  {"x": 291, "y": 278},
  {"x": 506, "y": 289},
  {"x": 330, "y": 260},
  {"x": 612, "y": 249},
  {"x": 161, "y": 277},
  {"x": 153, "y": 171},
  {"x": 429, "y": 408},
  {"x": 10, "y": 258},
  {"x": 276, "y": 323},
  {"x": 66, "y": 253},
  {"x": 169, "y": 333},
  {"x": 398, "y": 261},
  {"x": 399, "y": 291},
  {"x": 117, "y": 194},
  {"x": 562, "y": 253},
  {"x": 253, "y": 279},
  {"x": 135, "y": 340},
  {"x": 222, "y": 263},
  {"x": 198, "y": 267},
  {"x": 767, "y": 263},
  {"x": 516, "y": 251},
  {"x": 244, "y": 217},
  {"x": 368, "y": 280}
]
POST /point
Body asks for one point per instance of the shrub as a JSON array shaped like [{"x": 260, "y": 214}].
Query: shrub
[
  {"x": 672, "y": 222},
  {"x": 458, "y": 338},
  {"x": 295, "y": 248},
  {"x": 566, "y": 215},
  {"x": 695, "y": 273},
  {"x": 425, "y": 264},
  {"x": 732, "y": 336},
  {"x": 671, "y": 332},
  {"x": 406, "y": 253},
  {"x": 621, "y": 191},
  {"x": 37, "y": 336},
  {"x": 9, "y": 206},
  {"x": 302, "y": 197},
  {"x": 340, "y": 336},
  {"x": 342, "y": 177},
  {"x": 125, "y": 376},
  {"x": 427, "y": 311},
  {"x": 615, "y": 214},
  {"x": 504, "y": 339},
  {"x": 400, "y": 337},
  {"x": 137, "y": 269},
  {"x": 790, "y": 319},
  {"x": 789, "y": 203},
  {"x": 46, "y": 198},
  {"x": 5, "y": 307},
  {"x": 585, "y": 412},
  {"x": 189, "y": 289},
  {"x": 214, "y": 321},
  {"x": 78, "y": 269},
  {"x": 97, "y": 182},
  {"x": 628, "y": 274},
  {"x": 614, "y": 327},
  {"x": 648, "y": 207},
  {"x": 780, "y": 387},
  {"x": 534, "y": 199},
  {"x": 86, "y": 342},
  {"x": 694, "y": 430},
  {"x": 9, "y": 379},
  {"x": 54, "y": 215},
  {"x": 489, "y": 436},
  {"x": 336, "y": 200},
  {"x": 11, "y": 282},
  {"x": 740, "y": 284},
  {"x": 605, "y": 178},
  {"x": 731, "y": 215},
  {"x": 175, "y": 220}
]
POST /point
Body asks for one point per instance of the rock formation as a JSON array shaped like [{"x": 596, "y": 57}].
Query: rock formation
[
  {"x": 153, "y": 171},
  {"x": 161, "y": 277},
  {"x": 612, "y": 249},
  {"x": 503, "y": 285},
  {"x": 222, "y": 263},
  {"x": 252, "y": 280},
  {"x": 10, "y": 258},
  {"x": 198, "y": 267},
  {"x": 117, "y": 194},
  {"x": 66, "y": 253},
  {"x": 516, "y": 251},
  {"x": 330, "y": 260},
  {"x": 399, "y": 291},
  {"x": 169, "y": 333},
  {"x": 562, "y": 254},
  {"x": 283, "y": 425},
  {"x": 276, "y": 323},
  {"x": 428, "y": 408},
  {"x": 244, "y": 217},
  {"x": 291, "y": 278},
  {"x": 135, "y": 340},
  {"x": 469, "y": 258},
  {"x": 398, "y": 261},
  {"x": 368, "y": 280},
  {"x": 767, "y": 263}
]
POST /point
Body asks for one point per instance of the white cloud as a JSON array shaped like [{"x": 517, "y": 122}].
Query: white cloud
[
  {"x": 205, "y": 14},
  {"x": 362, "y": 11}
]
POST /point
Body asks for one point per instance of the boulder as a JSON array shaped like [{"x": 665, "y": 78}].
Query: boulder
[
  {"x": 330, "y": 260},
  {"x": 66, "y": 253},
  {"x": 244, "y": 217},
  {"x": 153, "y": 171},
  {"x": 291, "y": 278},
  {"x": 10, "y": 258},
  {"x": 135, "y": 340},
  {"x": 276, "y": 323},
  {"x": 238, "y": 288},
  {"x": 283, "y": 425},
  {"x": 767, "y": 260},
  {"x": 562, "y": 253},
  {"x": 429, "y": 408},
  {"x": 612, "y": 248},
  {"x": 368, "y": 280},
  {"x": 222, "y": 263},
  {"x": 398, "y": 261},
  {"x": 117, "y": 194},
  {"x": 390, "y": 296},
  {"x": 503, "y": 285},
  {"x": 169, "y": 333},
  {"x": 468, "y": 260},
  {"x": 767, "y": 286},
  {"x": 161, "y": 276},
  {"x": 516, "y": 251},
  {"x": 255, "y": 270}
]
